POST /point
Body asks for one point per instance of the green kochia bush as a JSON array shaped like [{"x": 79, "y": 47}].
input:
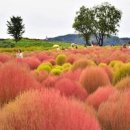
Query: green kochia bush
[
  {"x": 56, "y": 71},
  {"x": 45, "y": 66},
  {"x": 60, "y": 59},
  {"x": 121, "y": 73},
  {"x": 67, "y": 67}
]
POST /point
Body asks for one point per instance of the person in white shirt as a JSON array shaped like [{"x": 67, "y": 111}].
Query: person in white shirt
[{"x": 19, "y": 54}]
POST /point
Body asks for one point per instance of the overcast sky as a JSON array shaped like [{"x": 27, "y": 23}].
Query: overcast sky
[{"x": 54, "y": 17}]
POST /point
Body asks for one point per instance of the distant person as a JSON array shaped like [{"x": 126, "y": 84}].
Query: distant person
[
  {"x": 128, "y": 45},
  {"x": 19, "y": 54}
]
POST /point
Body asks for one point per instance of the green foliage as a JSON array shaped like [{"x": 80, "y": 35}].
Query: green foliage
[
  {"x": 45, "y": 67},
  {"x": 16, "y": 27},
  {"x": 106, "y": 21},
  {"x": 6, "y": 44},
  {"x": 83, "y": 23},
  {"x": 60, "y": 59},
  {"x": 56, "y": 71},
  {"x": 121, "y": 73},
  {"x": 101, "y": 21},
  {"x": 116, "y": 65}
]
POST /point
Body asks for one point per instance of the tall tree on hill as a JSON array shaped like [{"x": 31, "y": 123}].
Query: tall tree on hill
[
  {"x": 101, "y": 21},
  {"x": 83, "y": 23},
  {"x": 16, "y": 27},
  {"x": 106, "y": 21}
]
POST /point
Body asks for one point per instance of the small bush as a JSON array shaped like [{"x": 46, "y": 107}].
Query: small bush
[
  {"x": 100, "y": 95},
  {"x": 60, "y": 59},
  {"x": 56, "y": 71},
  {"x": 46, "y": 110},
  {"x": 50, "y": 81},
  {"x": 70, "y": 88},
  {"x": 5, "y": 57},
  {"x": 120, "y": 74},
  {"x": 94, "y": 77},
  {"x": 40, "y": 75},
  {"x": 124, "y": 84},
  {"x": 45, "y": 67},
  {"x": 32, "y": 62},
  {"x": 82, "y": 64},
  {"x": 115, "y": 114},
  {"x": 109, "y": 72},
  {"x": 14, "y": 79}
]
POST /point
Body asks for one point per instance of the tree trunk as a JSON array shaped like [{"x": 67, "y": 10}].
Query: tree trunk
[{"x": 102, "y": 40}]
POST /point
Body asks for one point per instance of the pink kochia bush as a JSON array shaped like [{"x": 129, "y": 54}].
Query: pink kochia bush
[
  {"x": 32, "y": 62},
  {"x": 115, "y": 113},
  {"x": 100, "y": 95},
  {"x": 40, "y": 75},
  {"x": 70, "y": 88},
  {"x": 15, "y": 78},
  {"x": 46, "y": 110},
  {"x": 5, "y": 57},
  {"x": 50, "y": 81},
  {"x": 93, "y": 77},
  {"x": 73, "y": 75}
]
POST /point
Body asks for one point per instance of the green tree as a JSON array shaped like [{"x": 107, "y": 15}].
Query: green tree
[
  {"x": 16, "y": 27},
  {"x": 106, "y": 21},
  {"x": 100, "y": 21},
  {"x": 83, "y": 23}
]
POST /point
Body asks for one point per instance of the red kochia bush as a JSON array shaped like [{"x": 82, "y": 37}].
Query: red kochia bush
[
  {"x": 93, "y": 77},
  {"x": 73, "y": 75},
  {"x": 43, "y": 56},
  {"x": 15, "y": 78},
  {"x": 109, "y": 72},
  {"x": 115, "y": 114},
  {"x": 32, "y": 62},
  {"x": 46, "y": 110},
  {"x": 4, "y": 57},
  {"x": 70, "y": 88},
  {"x": 39, "y": 75},
  {"x": 50, "y": 81},
  {"x": 100, "y": 95}
]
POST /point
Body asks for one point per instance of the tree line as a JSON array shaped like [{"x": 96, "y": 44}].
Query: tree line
[{"x": 100, "y": 21}]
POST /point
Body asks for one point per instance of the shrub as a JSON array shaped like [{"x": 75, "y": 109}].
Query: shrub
[
  {"x": 45, "y": 67},
  {"x": 82, "y": 64},
  {"x": 93, "y": 77},
  {"x": 73, "y": 75},
  {"x": 4, "y": 57},
  {"x": 116, "y": 65},
  {"x": 120, "y": 74},
  {"x": 60, "y": 59},
  {"x": 50, "y": 81},
  {"x": 109, "y": 72},
  {"x": 66, "y": 67},
  {"x": 46, "y": 110},
  {"x": 71, "y": 58},
  {"x": 32, "y": 62},
  {"x": 40, "y": 75},
  {"x": 115, "y": 114},
  {"x": 56, "y": 71},
  {"x": 43, "y": 56},
  {"x": 14, "y": 79},
  {"x": 100, "y": 95},
  {"x": 70, "y": 88},
  {"x": 124, "y": 84}
]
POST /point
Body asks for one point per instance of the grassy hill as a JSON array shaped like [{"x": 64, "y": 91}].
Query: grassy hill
[{"x": 29, "y": 44}]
